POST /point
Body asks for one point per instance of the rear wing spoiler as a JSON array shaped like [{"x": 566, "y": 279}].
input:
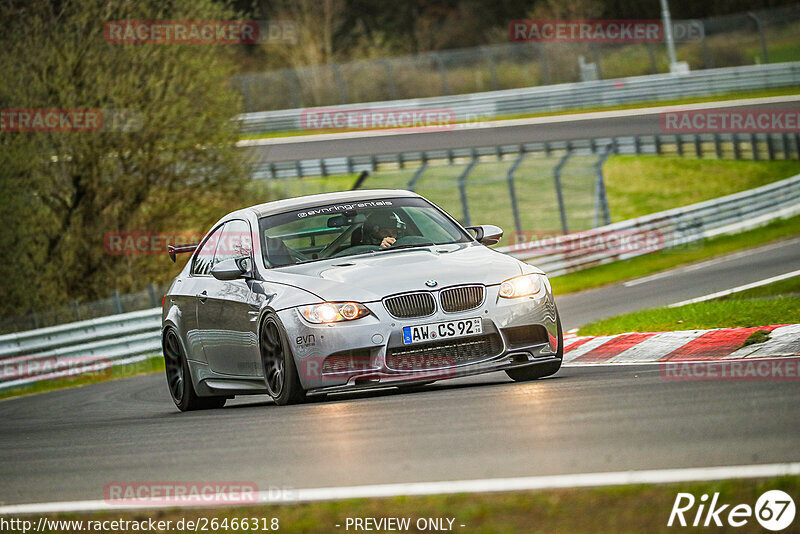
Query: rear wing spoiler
[{"x": 173, "y": 250}]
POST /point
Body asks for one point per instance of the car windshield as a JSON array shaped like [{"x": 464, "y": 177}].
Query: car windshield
[{"x": 351, "y": 228}]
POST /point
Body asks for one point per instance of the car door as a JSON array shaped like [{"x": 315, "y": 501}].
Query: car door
[
  {"x": 189, "y": 293},
  {"x": 225, "y": 311}
]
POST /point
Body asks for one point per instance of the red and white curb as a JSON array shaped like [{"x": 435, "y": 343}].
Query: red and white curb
[{"x": 681, "y": 345}]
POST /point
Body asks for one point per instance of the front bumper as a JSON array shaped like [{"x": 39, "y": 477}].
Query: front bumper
[{"x": 375, "y": 336}]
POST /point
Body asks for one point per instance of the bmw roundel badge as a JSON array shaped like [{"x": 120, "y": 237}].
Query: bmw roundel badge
[{"x": 431, "y": 283}]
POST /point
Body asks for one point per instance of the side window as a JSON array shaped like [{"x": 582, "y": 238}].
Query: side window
[
  {"x": 204, "y": 257},
  {"x": 235, "y": 242}
]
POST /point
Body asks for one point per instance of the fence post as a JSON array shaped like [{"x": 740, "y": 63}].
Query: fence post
[
  {"x": 559, "y": 195},
  {"x": 601, "y": 211},
  {"x": 294, "y": 82},
  {"x": 513, "y": 192},
  {"x": 116, "y": 301},
  {"x": 442, "y": 74},
  {"x": 707, "y": 59},
  {"x": 341, "y": 88},
  {"x": 762, "y": 39},
  {"x": 492, "y": 69},
  {"x": 151, "y": 288},
  {"x": 462, "y": 188},
  {"x": 417, "y": 175},
  {"x": 390, "y": 77}
]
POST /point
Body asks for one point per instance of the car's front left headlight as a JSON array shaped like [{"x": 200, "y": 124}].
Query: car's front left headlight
[
  {"x": 522, "y": 286},
  {"x": 331, "y": 312}
]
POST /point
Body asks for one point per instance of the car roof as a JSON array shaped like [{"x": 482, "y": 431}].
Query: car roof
[{"x": 311, "y": 201}]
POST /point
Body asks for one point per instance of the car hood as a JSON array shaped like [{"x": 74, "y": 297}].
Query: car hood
[{"x": 371, "y": 277}]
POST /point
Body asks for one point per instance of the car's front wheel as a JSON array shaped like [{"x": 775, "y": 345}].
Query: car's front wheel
[
  {"x": 280, "y": 371},
  {"x": 179, "y": 381},
  {"x": 540, "y": 370}
]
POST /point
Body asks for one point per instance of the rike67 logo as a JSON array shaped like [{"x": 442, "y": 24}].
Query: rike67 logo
[{"x": 774, "y": 510}]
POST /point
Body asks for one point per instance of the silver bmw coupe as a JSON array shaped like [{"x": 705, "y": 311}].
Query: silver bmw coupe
[{"x": 346, "y": 291}]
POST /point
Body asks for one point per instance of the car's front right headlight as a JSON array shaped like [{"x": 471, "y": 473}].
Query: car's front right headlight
[
  {"x": 332, "y": 312},
  {"x": 521, "y": 286}
]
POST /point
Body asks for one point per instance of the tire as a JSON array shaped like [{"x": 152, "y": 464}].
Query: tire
[
  {"x": 540, "y": 370},
  {"x": 280, "y": 372},
  {"x": 179, "y": 381}
]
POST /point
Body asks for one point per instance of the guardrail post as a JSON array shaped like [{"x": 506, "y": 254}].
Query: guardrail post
[
  {"x": 513, "y": 192},
  {"x": 754, "y": 146},
  {"x": 679, "y": 144},
  {"x": 462, "y": 188},
  {"x": 737, "y": 153},
  {"x": 797, "y": 144},
  {"x": 787, "y": 151},
  {"x": 637, "y": 148},
  {"x": 717, "y": 146},
  {"x": 323, "y": 168},
  {"x": 657, "y": 141},
  {"x": 698, "y": 146},
  {"x": 770, "y": 147},
  {"x": 557, "y": 180},
  {"x": 298, "y": 169}
]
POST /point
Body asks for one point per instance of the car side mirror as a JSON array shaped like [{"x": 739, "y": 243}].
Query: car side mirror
[
  {"x": 487, "y": 234},
  {"x": 231, "y": 269}
]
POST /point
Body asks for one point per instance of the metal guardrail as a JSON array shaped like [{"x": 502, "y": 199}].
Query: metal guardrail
[
  {"x": 662, "y": 231},
  {"x": 480, "y": 106},
  {"x": 68, "y": 350},
  {"x": 735, "y": 146},
  {"x": 88, "y": 346}
]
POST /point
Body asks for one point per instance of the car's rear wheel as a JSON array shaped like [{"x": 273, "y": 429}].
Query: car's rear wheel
[
  {"x": 280, "y": 371},
  {"x": 179, "y": 380},
  {"x": 540, "y": 370}
]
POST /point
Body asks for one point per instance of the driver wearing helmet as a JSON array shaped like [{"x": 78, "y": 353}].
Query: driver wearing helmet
[{"x": 382, "y": 228}]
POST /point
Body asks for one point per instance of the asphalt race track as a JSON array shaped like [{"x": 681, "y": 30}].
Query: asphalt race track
[
  {"x": 608, "y": 124},
  {"x": 68, "y": 444}
]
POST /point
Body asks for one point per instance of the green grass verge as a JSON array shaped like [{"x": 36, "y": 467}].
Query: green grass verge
[
  {"x": 776, "y": 303},
  {"x": 150, "y": 365},
  {"x": 639, "y": 185},
  {"x": 761, "y": 93},
  {"x": 660, "y": 261},
  {"x": 634, "y": 508}
]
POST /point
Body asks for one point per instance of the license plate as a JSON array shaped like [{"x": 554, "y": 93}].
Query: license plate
[{"x": 448, "y": 329}]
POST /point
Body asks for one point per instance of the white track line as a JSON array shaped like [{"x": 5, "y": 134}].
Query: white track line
[
  {"x": 636, "y": 112},
  {"x": 582, "y": 480},
  {"x": 707, "y": 263},
  {"x": 738, "y": 289}
]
